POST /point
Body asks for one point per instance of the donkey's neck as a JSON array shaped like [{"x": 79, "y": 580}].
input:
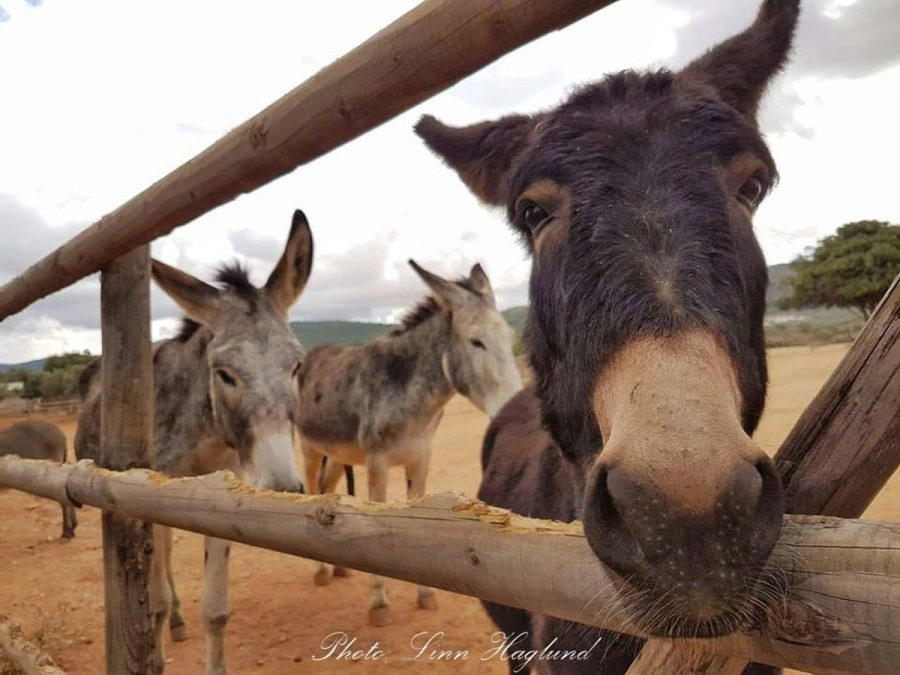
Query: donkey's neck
[
  {"x": 186, "y": 441},
  {"x": 423, "y": 347}
]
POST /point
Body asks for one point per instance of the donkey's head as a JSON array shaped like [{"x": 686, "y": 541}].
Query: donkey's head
[
  {"x": 253, "y": 356},
  {"x": 635, "y": 197},
  {"x": 478, "y": 360}
]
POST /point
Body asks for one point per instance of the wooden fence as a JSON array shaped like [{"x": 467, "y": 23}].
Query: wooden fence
[{"x": 842, "y": 615}]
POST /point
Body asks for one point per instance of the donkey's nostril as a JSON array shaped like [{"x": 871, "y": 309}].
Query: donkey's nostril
[
  {"x": 770, "y": 506},
  {"x": 605, "y": 523}
]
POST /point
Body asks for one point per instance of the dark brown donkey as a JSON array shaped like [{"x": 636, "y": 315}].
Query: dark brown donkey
[{"x": 635, "y": 197}]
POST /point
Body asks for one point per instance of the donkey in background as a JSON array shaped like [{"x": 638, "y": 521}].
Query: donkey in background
[
  {"x": 226, "y": 398},
  {"x": 36, "y": 439},
  {"x": 379, "y": 404},
  {"x": 635, "y": 197}
]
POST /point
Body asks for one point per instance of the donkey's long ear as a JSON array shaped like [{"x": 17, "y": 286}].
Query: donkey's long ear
[
  {"x": 198, "y": 300},
  {"x": 482, "y": 154},
  {"x": 446, "y": 293},
  {"x": 290, "y": 275},
  {"x": 740, "y": 68},
  {"x": 479, "y": 281}
]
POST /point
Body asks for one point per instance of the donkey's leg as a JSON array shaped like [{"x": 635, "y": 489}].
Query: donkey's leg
[
  {"x": 215, "y": 603},
  {"x": 70, "y": 521},
  {"x": 312, "y": 468},
  {"x": 160, "y": 594},
  {"x": 333, "y": 472},
  {"x": 379, "y": 612},
  {"x": 416, "y": 472},
  {"x": 177, "y": 629}
]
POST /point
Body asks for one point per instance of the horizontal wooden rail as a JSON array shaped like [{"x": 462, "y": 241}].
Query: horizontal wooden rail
[
  {"x": 841, "y": 614},
  {"x": 426, "y": 50}
]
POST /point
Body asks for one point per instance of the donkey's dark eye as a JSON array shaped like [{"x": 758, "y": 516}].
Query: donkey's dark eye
[
  {"x": 532, "y": 216},
  {"x": 225, "y": 377},
  {"x": 751, "y": 192},
  {"x": 296, "y": 370},
  {"x": 478, "y": 343}
]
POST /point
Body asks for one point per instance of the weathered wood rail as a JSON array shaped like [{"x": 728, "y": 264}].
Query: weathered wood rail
[
  {"x": 840, "y": 615},
  {"x": 423, "y": 52},
  {"x": 428, "y": 49}
]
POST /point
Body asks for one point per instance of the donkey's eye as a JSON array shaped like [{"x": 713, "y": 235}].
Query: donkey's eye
[
  {"x": 225, "y": 377},
  {"x": 296, "y": 371},
  {"x": 531, "y": 215},
  {"x": 478, "y": 343},
  {"x": 751, "y": 192}
]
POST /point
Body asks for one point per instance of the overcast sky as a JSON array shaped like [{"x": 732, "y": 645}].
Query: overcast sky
[{"x": 100, "y": 98}]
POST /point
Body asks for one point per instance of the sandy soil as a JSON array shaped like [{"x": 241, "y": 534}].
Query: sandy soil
[{"x": 279, "y": 617}]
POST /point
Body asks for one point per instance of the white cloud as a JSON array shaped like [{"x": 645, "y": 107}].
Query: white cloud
[{"x": 104, "y": 97}]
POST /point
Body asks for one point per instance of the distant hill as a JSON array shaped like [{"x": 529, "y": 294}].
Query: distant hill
[
  {"x": 314, "y": 333},
  {"x": 783, "y": 327},
  {"x": 515, "y": 317},
  {"x": 36, "y": 365}
]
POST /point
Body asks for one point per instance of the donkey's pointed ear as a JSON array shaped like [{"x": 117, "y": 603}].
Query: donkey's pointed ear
[
  {"x": 478, "y": 279},
  {"x": 197, "y": 299},
  {"x": 482, "y": 154},
  {"x": 741, "y": 67},
  {"x": 446, "y": 293},
  {"x": 290, "y": 275}
]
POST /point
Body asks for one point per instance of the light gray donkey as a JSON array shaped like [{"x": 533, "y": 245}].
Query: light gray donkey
[
  {"x": 36, "y": 439},
  {"x": 379, "y": 404},
  {"x": 226, "y": 398}
]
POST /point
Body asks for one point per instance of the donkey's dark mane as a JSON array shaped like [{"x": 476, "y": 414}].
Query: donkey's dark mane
[
  {"x": 232, "y": 276},
  {"x": 426, "y": 309}
]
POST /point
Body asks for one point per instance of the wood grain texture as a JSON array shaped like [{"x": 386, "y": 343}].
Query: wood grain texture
[
  {"x": 835, "y": 461},
  {"x": 428, "y": 49},
  {"x": 840, "y": 615},
  {"x": 126, "y": 434},
  {"x": 846, "y": 444}
]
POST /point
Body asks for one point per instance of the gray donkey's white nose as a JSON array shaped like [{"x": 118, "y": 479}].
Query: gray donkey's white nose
[{"x": 273, "y": 464}]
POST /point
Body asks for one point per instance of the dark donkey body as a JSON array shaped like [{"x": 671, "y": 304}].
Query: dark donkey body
[
  {"x": 36, "y": 439},
  {"x": 635, "y": 198}
]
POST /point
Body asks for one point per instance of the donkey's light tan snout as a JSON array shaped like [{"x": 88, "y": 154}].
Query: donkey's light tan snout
[{"x": 680, "y": 502}]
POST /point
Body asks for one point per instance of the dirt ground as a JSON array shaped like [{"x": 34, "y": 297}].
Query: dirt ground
[{"x": 279, "y": 617}]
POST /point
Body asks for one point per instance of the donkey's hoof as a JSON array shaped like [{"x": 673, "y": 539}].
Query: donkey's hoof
[
  {"x": 322, "y": 577},
  {"x": 178, "y": 633},
  {"x": 67, "y": 534},
  {"x": 340, "y": 571},
  {"x": 427, "y": 601},
  {"x": 380, "y": 616}
]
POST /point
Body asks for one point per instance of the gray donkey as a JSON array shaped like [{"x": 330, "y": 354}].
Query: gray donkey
[
  {"x": 379, "y": 404},
  {"x": 226, "y": 398},
  {"x": 36, "y": 439}
]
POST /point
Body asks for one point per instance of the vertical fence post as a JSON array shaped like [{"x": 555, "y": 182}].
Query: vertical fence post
[{"x": 126, "y": 431}]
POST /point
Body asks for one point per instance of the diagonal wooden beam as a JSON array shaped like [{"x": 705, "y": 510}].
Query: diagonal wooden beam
[
  {"x": 425, "y": 51},
  {"x": 834, "y": 462}
]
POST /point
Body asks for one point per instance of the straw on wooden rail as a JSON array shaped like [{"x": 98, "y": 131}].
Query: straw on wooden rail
[
  {"x": 26, "y": 656},
  {"x": 426, "y": 50},
  {"x": 840, "y": 614}
]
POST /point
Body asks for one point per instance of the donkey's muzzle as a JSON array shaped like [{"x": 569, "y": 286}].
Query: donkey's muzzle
[{"x": 702, "y": 560}]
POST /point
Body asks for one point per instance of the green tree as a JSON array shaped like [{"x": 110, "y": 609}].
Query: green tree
[
  {"x": 62, "y": 361},
  {"x": 852, "y": 268}
]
